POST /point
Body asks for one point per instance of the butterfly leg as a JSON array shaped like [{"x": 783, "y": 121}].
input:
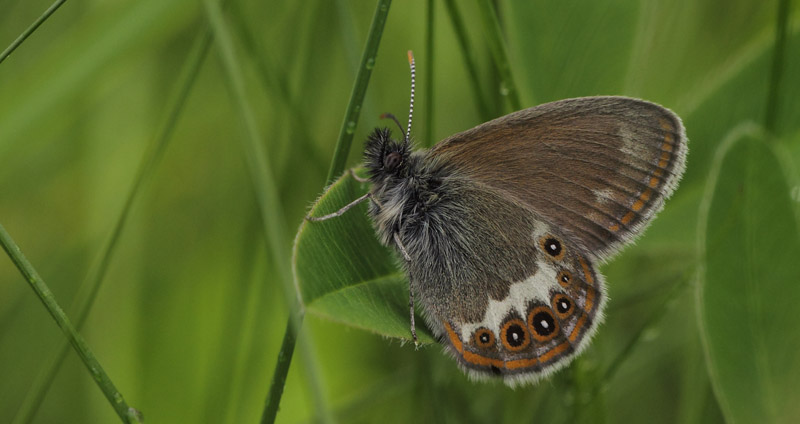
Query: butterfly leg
[
  {"x": 341, "y": 211},
  {"x": 410, "y": 290},
  {"x": 411, "y": 313}
]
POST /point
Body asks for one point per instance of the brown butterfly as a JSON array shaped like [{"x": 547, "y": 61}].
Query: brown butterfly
[{"x": 502, "y": 226}]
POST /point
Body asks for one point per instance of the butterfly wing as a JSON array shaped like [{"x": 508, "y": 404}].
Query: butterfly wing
[
  {"x": 508, "y": 278},
  {"x": 599, "y": 168},
  {"x": 505, "y": 291}
]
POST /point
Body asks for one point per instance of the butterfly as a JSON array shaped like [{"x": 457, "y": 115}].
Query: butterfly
[{"x": 502, "y": 227}]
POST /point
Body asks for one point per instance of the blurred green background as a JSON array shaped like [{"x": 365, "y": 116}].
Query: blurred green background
[{"x": 192, "y": 310}]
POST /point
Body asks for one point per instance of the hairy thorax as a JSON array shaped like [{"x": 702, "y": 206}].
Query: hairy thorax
[{"x": 404, "y": 203}]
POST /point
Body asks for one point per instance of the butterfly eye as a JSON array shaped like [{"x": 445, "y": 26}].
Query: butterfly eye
[
  {"x": 514, "y": 335},
  {"x": 552, "y": 246},
  {"x": 563, "y": 306},
  {"x": 542, "y": 323},
  {"x": 484, "y": 338},
  {"x": 392, "y": 161},
  {"x": 564, "y": 278}
]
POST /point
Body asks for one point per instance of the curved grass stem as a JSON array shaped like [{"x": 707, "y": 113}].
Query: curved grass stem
[
  {"x": 773, "y": 92},
  {"x": 491, "y": 23},
  {"x": 460, "y": 29},
  {"x": 30, "y": 30},
  {"x": 88, "y": 292},
  {"x": 115, "y": 398},
  {"x": 353, "y": 111}
]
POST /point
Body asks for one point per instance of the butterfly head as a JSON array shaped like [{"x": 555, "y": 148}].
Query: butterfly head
[{"x": 385, "y": 157}]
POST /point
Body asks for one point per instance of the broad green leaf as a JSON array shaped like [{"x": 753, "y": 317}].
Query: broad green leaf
[
  {"x": 344, "y": 274},
  {"x": 751, "y": 285}
]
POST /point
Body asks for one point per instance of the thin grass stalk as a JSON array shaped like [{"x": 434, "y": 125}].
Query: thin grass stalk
[
  {"x": 115, "y": 398},
  {"x": 87, "y": 294},
  {"x": 637, "y": 338},
  {"x": 649, "y": 323},
  {"x": 491, "y": 23},
  {"x": 470, "y": 63},
  {"x": 250, "y": 316},
  {"x": 261, "y": 175},
  {"x": 429, "y": 66},
  {"x": 353, "y": 111},
  {"x": 275, "y": 80},
  {"x": 771, "y": 113},
  {"x": 30, "y": 30},
  {"x": 296, "y": 312},
  {"x": 281, "y": 368}
]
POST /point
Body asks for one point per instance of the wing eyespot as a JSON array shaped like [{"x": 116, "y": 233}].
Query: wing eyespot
[
  {"x": 564, "y": 278},
  {"x": 552, "y": 246},
  {"x": 484, "y": 338},
  {"x": 514, "y": 335},
  {"x": 542, "y": 324},
  {"x": 563, "y": 306}
]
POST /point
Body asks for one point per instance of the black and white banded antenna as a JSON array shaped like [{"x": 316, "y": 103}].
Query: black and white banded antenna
[{"x": 411, "y": 103}]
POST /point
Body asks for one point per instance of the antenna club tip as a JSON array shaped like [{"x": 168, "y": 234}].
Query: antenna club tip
[{"x": 410, "y": 57}]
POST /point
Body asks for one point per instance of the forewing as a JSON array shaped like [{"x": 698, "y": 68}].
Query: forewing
[{"x": 598, "y": 168}]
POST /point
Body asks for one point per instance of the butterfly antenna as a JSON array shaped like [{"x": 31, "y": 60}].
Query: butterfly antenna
[
  {"x": 411, "y": 103},
  {"x": 396, "y": 121}
]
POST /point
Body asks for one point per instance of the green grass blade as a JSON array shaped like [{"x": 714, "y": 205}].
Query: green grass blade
[
  {"x": 115, "y": 398},
  {"x": 88, "y": 291},
  {"x": 277, "y": 82},
  {"x": 430, "y": 15},
  {"x": 604, "y": 380},
  {"x": 467, "y": 52},
  {"x": 491, "y": 23},
  {"x": 30, "y": 30},
  {"x": 36, "y": 100},
  {"x": 281, "y": 369},
  {"x": 260, "y": 171},
  {"x": 270, "y": 208},
  {"x": 649, "y": 323},
  {"x": 359, "y": 90},
  {"x": 748, "y": 294},
  {"x": 337, "y": 166},
  {"x": 777, "y": 66}
]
